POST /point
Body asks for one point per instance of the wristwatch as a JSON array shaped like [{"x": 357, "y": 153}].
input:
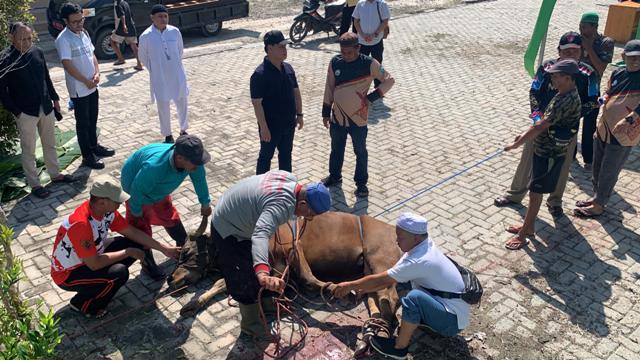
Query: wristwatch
[{"x": 630, "y": 120}]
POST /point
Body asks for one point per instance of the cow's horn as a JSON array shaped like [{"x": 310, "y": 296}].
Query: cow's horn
[{"x": 203, "y": 226}]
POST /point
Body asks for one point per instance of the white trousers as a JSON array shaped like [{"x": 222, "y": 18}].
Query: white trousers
[
  {"x": 29, "y": 128},
  {"x": 164, "y": 113}
]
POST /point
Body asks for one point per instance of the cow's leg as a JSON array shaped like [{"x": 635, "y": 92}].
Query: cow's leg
[
  {"x": 308, "y": 281},
  {"x": 193, "y": 306}
]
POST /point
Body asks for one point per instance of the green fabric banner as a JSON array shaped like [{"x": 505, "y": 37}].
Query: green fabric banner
[{"x": 539, "y": 32}]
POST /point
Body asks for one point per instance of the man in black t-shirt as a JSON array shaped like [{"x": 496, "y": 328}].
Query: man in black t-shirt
[
  {"x": 125, "y": 31},
  {"x": 277, "y": 104}
]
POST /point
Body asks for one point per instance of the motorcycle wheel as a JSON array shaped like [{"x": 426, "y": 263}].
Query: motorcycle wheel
[{"x": 299, "y": 30}]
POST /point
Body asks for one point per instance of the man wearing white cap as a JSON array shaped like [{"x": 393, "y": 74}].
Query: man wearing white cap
[
  {"x": 85, "y": 261},
  {"x": 426, "y": 267}
]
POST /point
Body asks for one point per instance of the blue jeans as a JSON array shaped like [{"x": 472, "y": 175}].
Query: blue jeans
[
  {"x": 339, "y": 142},
  {"x": 420, "y": 307}
]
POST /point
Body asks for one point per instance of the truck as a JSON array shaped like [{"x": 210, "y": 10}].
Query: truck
[{"x": 205, "y": 15}]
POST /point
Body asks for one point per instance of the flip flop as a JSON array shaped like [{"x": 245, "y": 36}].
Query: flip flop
[
  {"x": 585, "y": 213},
  {"x": 501, "y": 201},
  {"x": 64, "y": 179},
  {"x": 119, "y": 63},
  {"x": 139, "y": 68},
  {"x": 511, "y": 245},
  {"x": 515, "y": 229},
  {"x": 584, "y": 203}
]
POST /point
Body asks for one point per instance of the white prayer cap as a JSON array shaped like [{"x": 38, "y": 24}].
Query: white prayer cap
[{"x": 412, "y": 223}]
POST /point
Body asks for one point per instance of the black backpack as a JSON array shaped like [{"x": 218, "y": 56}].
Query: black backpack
[{"x": 472, "y": 287}]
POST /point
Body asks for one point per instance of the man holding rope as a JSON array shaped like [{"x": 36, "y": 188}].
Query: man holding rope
[{"x": 246, "y": 216}]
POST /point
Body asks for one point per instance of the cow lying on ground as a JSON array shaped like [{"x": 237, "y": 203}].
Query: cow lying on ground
[{"x": 334, "y": 247}]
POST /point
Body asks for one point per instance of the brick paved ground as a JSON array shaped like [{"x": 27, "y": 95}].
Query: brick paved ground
[{"x": 460, "y": 94}]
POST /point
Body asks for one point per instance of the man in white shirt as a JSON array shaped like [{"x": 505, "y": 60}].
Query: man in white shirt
[
  {"x": 426, "y": 267},
  {"x": 161, "y": 51},
  {"x": 82, "y": 75},
  {"x": 371, "y": 18}
]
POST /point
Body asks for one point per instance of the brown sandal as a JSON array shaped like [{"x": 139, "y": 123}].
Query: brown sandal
[
  {"x": 501, "y": 201},
  {"x": 586, "y": 213},
  {"x": 584, "y": 203},
  {"x": 515, "y": 229},
  {"x": 516, "y": 244}
]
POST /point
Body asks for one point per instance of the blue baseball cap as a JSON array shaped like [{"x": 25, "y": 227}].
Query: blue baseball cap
[{"x": 318, "y": 197}]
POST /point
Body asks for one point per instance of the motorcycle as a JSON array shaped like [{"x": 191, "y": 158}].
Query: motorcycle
[{"x": 311, "y": 20}]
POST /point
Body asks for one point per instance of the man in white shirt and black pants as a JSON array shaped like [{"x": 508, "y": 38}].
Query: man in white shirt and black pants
[
  {"x": 371, "y": 18},
  {"x": 426, "y": 267},
  {"x": 82, "y": 75}
]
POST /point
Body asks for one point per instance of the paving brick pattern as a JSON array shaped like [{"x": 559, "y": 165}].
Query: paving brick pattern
[{"x": 460, "y": 94}]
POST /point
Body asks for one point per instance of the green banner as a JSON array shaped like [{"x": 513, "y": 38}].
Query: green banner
[{"x": 539, "y": 32}]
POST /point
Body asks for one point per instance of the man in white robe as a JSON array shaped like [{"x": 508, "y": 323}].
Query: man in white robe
[{"x": 160, "y": 51}]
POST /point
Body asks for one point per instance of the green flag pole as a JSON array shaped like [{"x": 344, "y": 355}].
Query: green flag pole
[{"x": 539, "y": 36}]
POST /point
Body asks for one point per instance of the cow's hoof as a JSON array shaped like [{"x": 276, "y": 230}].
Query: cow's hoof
[
  {"x": 361, "y": 348},
  {"x": 190, "y": 309}
]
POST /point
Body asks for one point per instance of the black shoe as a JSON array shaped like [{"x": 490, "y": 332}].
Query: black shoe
[
  {"x": 330, "y": 181},
  {"x": 168, "y": 139},
  {"x": 362, "y": 191},
  {"x": 150, "y": 267},
  {"x": 387, "y": 348},
  {"x": 93, "y": 163},
  {"x": 103, "y": 151}
]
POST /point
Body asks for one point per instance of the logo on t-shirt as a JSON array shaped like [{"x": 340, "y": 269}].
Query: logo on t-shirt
[
  {"x": 86, "y": 244},
  {"x": 338, "y": 72}
]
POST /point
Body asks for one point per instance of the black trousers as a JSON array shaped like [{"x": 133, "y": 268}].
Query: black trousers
[
  {"x": 281, "y": 139},
  {"x": 338, "y": 144},
  {"x": 588, "y": 129},
  {"x": 347, "y": 19},
  {"x": 85, "y": 110},
  {"x": 236, "y": 264},
  {"x": 96, "y": 288},
  {"x": 375, "y": 51}
]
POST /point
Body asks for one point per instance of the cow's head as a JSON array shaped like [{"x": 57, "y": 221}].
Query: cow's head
[{"x": 196, "y": 259}]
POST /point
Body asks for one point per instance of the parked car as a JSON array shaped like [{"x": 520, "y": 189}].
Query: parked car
[{"x": 206, "y": 15}]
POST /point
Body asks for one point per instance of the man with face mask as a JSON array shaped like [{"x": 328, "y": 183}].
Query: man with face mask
[
  {"x": 27, "y": 92},
  {"x": 160, "y": 51},
  {"x": 150, "y": 175},
  {"x": 345, "y": 108},
  {"x": 540, "y": 94}
]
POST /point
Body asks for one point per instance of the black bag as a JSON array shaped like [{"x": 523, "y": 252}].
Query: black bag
[{"x": 472, "y": 287}]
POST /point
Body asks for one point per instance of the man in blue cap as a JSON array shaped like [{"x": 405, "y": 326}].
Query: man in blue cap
[{"x": 245, "y": 218}]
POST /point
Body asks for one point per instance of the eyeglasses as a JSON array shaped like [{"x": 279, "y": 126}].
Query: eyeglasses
[{"x": 77, "y": 22}]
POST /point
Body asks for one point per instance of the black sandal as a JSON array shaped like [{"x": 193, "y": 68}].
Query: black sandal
[
  {"x": 64, "y": 179},
  {"x": 40, "y": 192}
]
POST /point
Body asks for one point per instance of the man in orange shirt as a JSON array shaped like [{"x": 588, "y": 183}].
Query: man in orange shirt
[{"x": 85, "y": 261}]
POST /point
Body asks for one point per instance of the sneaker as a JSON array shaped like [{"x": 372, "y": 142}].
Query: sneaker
[
  {"x": 331, "y": 181},
  {"x": 362, "y": 191},
  {"x": 168, "y": 139},
  {"x": 387, "y": 348}
]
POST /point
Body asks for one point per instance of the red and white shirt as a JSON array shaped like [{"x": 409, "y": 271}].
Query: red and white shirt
[{"x": 81, "y": 235}]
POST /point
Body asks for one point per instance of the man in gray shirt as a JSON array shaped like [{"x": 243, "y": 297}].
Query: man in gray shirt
[{"x": 245, "y": 218}]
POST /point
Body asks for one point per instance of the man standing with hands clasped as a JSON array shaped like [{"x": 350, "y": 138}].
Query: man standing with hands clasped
[
  {"x": 161, "y": 51},
  {"x": 277, "y": 103},
  {"x": 82, "y": 73}
]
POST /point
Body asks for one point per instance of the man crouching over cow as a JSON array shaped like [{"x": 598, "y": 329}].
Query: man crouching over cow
[
  {"x": 150, "y": 175},
  {"x": 245, "y": 218},
  {"x": 426, "y": 267},
  {"x": 86, "y": 262}
]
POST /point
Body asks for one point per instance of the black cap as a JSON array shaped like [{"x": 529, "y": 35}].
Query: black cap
[
  {"x": 567, "y": 66},
  {"x": 158, "y": 8},
  {"x": 570, "y": 40},
  {"x": 632, "y": 48},
  {"x": 274, "y": 37},
  {"x": 191, "y": 148}
]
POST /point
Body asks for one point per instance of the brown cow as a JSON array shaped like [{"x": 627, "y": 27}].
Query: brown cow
[{"x": 334, "y": 247}]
